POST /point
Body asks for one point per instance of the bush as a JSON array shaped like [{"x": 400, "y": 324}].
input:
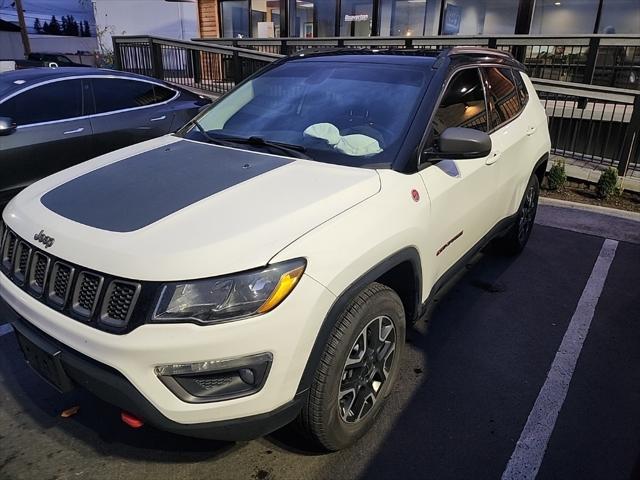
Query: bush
[
  {"x": 557, "y": 177},
  {"x": 608, "y": 184}
]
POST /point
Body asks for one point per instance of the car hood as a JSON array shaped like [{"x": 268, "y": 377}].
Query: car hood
[{"x": 174, "y": 209}]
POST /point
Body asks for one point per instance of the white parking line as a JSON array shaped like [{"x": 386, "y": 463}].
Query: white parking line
[
  {"x": 529, "y": 452},
  {"x": 5, "y": 328}
]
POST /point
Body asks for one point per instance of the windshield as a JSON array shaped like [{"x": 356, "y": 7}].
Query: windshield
[{"x": 336, "y": 112}]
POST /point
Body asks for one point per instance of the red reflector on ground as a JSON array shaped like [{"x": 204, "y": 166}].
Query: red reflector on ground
[{"x": 130, "y": 420}]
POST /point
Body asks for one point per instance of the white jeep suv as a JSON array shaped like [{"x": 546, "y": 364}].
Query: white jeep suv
[{"x": 260, "y": 265}]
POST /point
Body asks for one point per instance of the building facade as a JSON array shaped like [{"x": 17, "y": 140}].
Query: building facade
[{"x": 402, "y": 18}]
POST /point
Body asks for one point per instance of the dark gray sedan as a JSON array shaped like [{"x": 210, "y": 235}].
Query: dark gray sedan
[{"x": 51, "y": 119}]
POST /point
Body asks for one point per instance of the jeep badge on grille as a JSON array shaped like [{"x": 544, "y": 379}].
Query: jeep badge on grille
[{"x": 44, "y": 239}]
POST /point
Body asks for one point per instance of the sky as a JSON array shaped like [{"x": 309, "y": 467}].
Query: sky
[{"x": 43, "y": 9}]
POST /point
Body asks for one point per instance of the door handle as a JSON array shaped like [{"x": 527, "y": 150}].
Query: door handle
[
  {"x": 157, "y": 119},
  {"x": 531, "y": 131},
  {"x": 493, "y": 158},
  {"x": 77, "y": 130}
]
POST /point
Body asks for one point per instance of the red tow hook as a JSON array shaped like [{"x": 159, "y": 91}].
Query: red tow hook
[{"x": 131, "y": 420}]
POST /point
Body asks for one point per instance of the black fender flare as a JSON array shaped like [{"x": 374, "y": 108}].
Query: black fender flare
[
  {"x": 409, "y": 254},
  {"x": 541, "y": 160}
]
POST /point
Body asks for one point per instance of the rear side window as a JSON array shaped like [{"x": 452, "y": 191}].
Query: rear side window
[
  {"x": 163, "y": 94},
  {"x": 502, "y": 95},
  {"x": 47, "y": 103},
  {"x": 463, "y": 104},
  {"x": 113, "y": 94},
  {"x": 522, "y": 88}
]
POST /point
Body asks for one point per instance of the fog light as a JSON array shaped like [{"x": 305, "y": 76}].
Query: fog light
[{"x": 215, "y": 380}]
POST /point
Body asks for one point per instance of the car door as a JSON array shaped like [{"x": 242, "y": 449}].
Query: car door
[
  {"x": 509, "y": 135},
  {"x": 52, "y": 132},
  {"x": 128, "y": 111},
  {"x": 461, "y": 192}
]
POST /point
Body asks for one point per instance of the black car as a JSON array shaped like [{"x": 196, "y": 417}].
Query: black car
[{"x": 51, "y": 119}]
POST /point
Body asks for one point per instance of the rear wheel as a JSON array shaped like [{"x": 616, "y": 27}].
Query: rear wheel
[
  {"x": 357, "y": 370},
  {"x": 518, "y": 236}
]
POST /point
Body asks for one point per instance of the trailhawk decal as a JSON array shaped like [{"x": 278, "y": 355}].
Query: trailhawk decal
[
  {"x": 449, "y": 243},
  {"x": 140, "y": 190}
]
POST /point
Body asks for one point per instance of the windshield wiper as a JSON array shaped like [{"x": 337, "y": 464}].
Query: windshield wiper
[{"x": 296, "y": 151}]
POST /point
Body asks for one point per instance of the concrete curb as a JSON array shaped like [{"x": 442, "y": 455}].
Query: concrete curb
[
  {"x": 614, "y": 212},
  {"x": 589, "y": 221}
]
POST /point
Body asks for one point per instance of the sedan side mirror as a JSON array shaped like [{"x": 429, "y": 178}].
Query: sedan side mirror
[
  {"x": 7, "y": 126},
  {"x": 461, "y": 143}
]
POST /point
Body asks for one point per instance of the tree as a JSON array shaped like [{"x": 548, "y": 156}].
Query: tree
[
  {"x": 45, "y": 27},
  {"x": 37, "y": 26},
  {"x": 87, "y": 29},
  {"x": 54, "y": 26}
]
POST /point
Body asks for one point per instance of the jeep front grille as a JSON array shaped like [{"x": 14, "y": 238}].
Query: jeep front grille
[
  {"x": 121, "y": 295},
  {"x": 22, "y": 256},
  {"x": 8, "y": 249},
  {"x": 98, "y": 299},
  {"x": 85, "y": 296},
  {"x": 38, "y": 274}
]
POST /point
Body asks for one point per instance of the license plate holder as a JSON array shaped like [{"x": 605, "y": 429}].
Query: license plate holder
[{"x": 44, "y": 359}]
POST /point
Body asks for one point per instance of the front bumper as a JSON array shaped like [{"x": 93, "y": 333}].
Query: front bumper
[
  {"x": 111, "y": 386},
  {"x": 288, "y": 333}
]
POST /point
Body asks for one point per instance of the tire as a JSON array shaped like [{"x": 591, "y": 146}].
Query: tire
[
  {"x": 518, "y": 235},
  {"x": 330, "y": 418}
]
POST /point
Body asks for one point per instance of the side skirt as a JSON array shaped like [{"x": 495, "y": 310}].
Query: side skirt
[{"x": 459, "y": 269}]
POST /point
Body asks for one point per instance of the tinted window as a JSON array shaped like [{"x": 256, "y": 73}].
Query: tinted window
[
  {"x": 504, "y": 102},
  {"x": 463, "y": 104},
  {"x": 53, "y": 101},
  {"x": 112, "y": 94},
  {"x": 522, "y": 88},
  {"x": 163, "y": 94}
]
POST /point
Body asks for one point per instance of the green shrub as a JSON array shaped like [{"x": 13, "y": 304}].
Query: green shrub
[
  {"x": 557, "y": 177},
  {"x": 608, "y": 184}
]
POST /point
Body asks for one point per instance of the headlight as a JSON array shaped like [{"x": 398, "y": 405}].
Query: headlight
[{"x": 225, "y": 298}]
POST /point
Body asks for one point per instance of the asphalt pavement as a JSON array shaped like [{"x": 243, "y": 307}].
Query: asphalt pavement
[{"x": 470, "y": 380}]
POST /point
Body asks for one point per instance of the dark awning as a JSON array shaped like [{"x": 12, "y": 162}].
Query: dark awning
[{"x": 8, "y": 26}]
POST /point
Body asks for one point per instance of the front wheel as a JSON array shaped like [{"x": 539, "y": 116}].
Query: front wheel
[
  {"x": 518, "y": 236},
  {"x": 357, "y": 370}
]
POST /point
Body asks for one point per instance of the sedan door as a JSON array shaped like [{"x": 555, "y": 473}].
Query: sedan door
[
  {"x": 128, "y": 111},
  {"x": 462, "y": 193},
  {"x": 52, "y": 133}
]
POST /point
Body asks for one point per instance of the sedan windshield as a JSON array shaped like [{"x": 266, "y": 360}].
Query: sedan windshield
[{"x": 354, "y": 113}]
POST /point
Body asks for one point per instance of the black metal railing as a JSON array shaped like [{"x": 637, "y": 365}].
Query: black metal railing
[
  {"x": 211, "y": 68},
  {"x": 595, "y": 124},
  {"x": 605, "y": 60},
  {"x": 598, "y": 125}
]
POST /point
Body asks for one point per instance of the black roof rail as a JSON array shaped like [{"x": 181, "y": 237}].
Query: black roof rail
[
  {"x": 479, "y": 54},
  {"x": 478, "y": 51}
]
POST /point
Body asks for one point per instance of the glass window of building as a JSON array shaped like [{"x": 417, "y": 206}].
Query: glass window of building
[
  {"x": 314, "y": 18},
  {"x": 485, "y": 17},
  {"x": 356, "y": 17},
  {"x": 235, "y": 18},
  {"x": 620, "y": 16},
  {"x": 409, "y": 18},
  {"x": 562, "y": 17},
  {"x": 265, "y": 18}
]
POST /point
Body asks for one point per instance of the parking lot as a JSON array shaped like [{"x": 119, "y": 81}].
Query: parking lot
[{"x": 471, "y": 379}]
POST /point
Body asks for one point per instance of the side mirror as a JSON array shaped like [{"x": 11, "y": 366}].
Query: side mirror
[
  {"x": 461, "y": 143},
  {"x": 7, "y": 126}
]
